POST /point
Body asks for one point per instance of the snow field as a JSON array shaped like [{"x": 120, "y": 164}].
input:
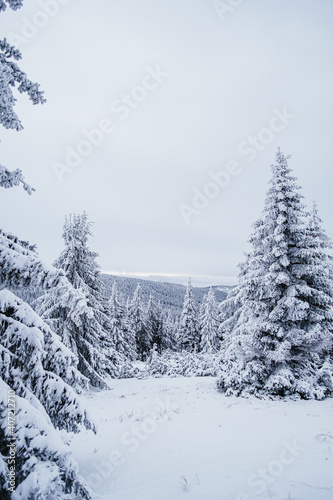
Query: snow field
[{"x": 178, "y": 438}]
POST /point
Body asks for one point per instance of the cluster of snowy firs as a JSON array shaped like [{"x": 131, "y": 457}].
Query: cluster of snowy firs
[
  {"x": 169, "y": 296},
  {"x": 117, "y": 331}
]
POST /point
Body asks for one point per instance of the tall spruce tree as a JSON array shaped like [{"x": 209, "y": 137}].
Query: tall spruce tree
[
  {"x": 169, "y": 340},
  {"x": 279, "y": 333},
  {"x": 138, "y": 324},
  {"x": 323, "y": 260},
  {"x": 158, "y": 331},
  {"x": 122, "y": 335},
  {"x": 208, "y": 323},
  {"x": 321, "y": 240},
  {"x": 188, "y": 327},
  {"x": 90, "y": 339}
]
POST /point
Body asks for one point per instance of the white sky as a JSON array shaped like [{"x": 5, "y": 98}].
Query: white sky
[{"x": 226, "y": 75}]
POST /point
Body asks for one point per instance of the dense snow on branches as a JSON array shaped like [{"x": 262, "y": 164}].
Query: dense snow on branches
[
  {"x": 41, "y": 374},
  {"x": 88, "y": 336},
  {"x": 188, "y": 324},
  {"x": 13, "y": 4},
  {"x": 278, "y": 322},
  {"x": 10, "y": 76}
]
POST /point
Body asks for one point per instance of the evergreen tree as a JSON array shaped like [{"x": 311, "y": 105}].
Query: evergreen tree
[
  {"x": 188, "y": 328},
  {"x": 173, "y": 326},
  {"x": 155, "y": 326},
  {"x": 230, "y": 309},
  {"x": 89, "y": 339},
  {"x": 122, "y": 336},
  {"x": 116, "y": 321},
  {"x": 37, "y": 368},
  {"x": 322, "y": 247},
  {"x": 321, "y": 240},
  {"x": 38, "y": 362},
  {"x": 138, "y": 324},
  {"x": 43, "y": 466},
  {"x": 169, "y": 332},
  {"x": 279, "y": 334},
  {"x": 209, "y": 341}
]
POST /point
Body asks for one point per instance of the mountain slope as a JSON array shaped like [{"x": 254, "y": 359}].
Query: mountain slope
[{"x": 169, "y": 295}]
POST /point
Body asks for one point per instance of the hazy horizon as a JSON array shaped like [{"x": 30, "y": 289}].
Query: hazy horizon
[{"x": 197, "y": 281}]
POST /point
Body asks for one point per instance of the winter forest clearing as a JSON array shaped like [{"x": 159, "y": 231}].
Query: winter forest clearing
[
  {"x": 121, "y": 388},
  {"x": 178, "y": 438}
]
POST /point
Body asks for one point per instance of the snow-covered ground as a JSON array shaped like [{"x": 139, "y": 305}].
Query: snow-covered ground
[{"x": 178, "y": 438}]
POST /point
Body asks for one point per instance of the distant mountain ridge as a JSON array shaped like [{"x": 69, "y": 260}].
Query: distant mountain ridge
[{"x": 169, "y": 295}]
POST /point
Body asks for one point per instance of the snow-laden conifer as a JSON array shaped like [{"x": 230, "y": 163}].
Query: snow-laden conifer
[
  {"x": 156, "y": 327},
  {"x": 169, "y": 331},
  {"x": 138, "y": 323},
  {"x": 89, "y": 337},
  {"x": 188, "y": 327},
  {"x": 208, "y": 324},
  {"x": 44, "y": 468},
  {"x": 279, "y": 333},
  {"x": 121, "y": 334},
  {"x": 33, "y": 358},
  {"x": 36, "y": 368}
]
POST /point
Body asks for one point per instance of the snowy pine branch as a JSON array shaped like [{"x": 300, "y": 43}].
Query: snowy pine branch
[{"x": 10, "y": 179}]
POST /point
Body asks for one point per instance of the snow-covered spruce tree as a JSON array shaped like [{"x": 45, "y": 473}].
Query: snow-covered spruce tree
[
  {"x": 175, "y": 329},
  {"x": 230, "y": 309},
  {"x": 37, "y": 361},
  {"x": 321, "y": 240},
  {"x": 281, "y": 327},
  {"x": 188, "y": 326},
  {"x": 43, "y": 467},
  {"x": 21, "y": 268},
  {"x": 323, "y": 260},
  {"x": 155, "y": 326},
  {"x": 169, "y": 332},
  {"x": 208, "y": 324},
  {"x": 138, "y": 323},
  {"x": 122, "y": 336},
  {"x": 37, "y": 368},
  {"x": 90, "y": 339}
]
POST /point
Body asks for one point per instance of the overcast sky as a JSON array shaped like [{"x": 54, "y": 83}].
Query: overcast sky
[{"x": 184, "y": 91}]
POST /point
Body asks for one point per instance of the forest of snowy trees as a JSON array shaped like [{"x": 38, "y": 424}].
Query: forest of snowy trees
[{"x": 271, "y": 337}]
